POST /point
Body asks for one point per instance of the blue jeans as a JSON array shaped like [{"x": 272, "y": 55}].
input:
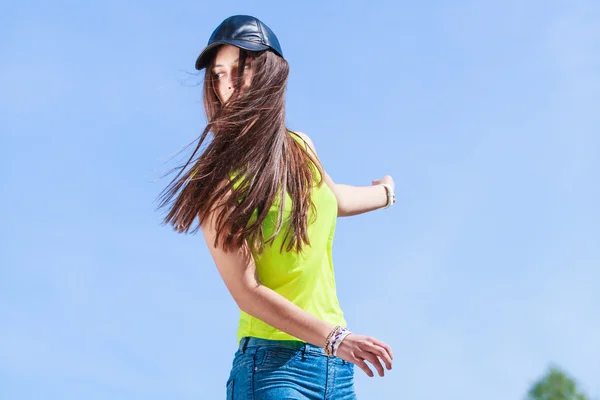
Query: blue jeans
[{"x": 287, "y": 369}]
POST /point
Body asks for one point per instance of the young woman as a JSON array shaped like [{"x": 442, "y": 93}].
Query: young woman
[{"x": 268, "y": 211}]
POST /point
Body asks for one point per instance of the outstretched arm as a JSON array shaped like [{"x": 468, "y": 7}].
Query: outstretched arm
[{"x": 354, "y": 200}]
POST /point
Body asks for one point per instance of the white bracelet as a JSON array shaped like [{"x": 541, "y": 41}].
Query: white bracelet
[
  {"x": 339, "y": 341},
  {"x": 390, "y": 194}
]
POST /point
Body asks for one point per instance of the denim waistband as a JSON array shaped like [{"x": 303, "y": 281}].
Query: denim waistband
[{"x": 250, "y": 341}]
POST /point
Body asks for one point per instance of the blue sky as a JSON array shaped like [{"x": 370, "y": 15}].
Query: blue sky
[{"x": 484, "y": 273}]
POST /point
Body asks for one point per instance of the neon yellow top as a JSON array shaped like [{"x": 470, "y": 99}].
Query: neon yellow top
[{"x": 307, "y": 279}]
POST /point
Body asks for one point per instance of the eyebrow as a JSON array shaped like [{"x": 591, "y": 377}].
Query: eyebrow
[
  {"x": 233, "y": 63},
  {"x": 219, "y": 65}
]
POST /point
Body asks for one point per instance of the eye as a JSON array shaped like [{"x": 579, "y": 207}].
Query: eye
[{"x": 218, "y": 75}]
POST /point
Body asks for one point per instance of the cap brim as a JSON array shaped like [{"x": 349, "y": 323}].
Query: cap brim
[{"x": 204, "y": 57}]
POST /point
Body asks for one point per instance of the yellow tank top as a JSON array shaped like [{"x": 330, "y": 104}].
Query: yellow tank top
[{"x": 306, "y": 279}]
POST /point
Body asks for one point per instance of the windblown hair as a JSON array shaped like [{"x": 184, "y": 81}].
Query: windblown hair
[{"x": 248, "y": 162}]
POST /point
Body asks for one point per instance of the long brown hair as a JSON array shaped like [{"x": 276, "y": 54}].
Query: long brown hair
[{"x": 250, "y": 158}]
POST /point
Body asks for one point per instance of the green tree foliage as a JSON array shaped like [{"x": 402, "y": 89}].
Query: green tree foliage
[{"x": 555, "y": 385}]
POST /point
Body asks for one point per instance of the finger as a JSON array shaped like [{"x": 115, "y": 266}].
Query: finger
[
  {"x": 383, "y": 354},
  {"x": 385, "y": 346},
  {"x": 373, "y": 359},
  {"x": 363, "y": 365}
]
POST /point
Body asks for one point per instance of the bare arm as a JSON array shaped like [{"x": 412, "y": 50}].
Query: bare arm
[
  {"x": 239, "y": 274},
  {"x": 354, "y": 200}
]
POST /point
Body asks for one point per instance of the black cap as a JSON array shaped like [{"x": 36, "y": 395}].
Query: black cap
[{"x": 242, "y": 31}]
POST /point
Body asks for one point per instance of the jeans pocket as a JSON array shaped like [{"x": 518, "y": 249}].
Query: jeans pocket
[
  {"x": 349, "y": 366},
  {"x": 230, "y": 389},
  {"x": 273, "y": 358}
]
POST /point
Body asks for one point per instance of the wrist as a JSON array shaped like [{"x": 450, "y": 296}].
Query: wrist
[
  {"x": 335, "y": 339},
  {"x": 389, "y": 192}
]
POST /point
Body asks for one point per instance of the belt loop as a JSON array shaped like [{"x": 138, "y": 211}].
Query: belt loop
[
  {"x": 304, "y": 351},
  {"x": 244, "y": 343}
]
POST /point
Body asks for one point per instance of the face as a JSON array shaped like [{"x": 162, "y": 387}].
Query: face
[{"x": 225, "y": 72}]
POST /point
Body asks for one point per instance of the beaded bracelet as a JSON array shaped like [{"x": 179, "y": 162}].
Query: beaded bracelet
[{"x": 328, "y": 349}]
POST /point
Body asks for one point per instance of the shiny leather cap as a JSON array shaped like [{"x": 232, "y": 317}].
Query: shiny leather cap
[{"x": 243, "y": 31}]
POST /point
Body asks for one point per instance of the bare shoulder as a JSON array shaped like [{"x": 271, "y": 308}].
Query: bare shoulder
[{"x": 302, "y": 135}]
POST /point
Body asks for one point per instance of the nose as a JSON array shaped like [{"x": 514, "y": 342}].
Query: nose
[{"x": 230, "y": 83}]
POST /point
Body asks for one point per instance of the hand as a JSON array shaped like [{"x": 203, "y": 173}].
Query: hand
[
  {"x": 359, "y": 348},
  {"x": 389, "y": 181}
]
